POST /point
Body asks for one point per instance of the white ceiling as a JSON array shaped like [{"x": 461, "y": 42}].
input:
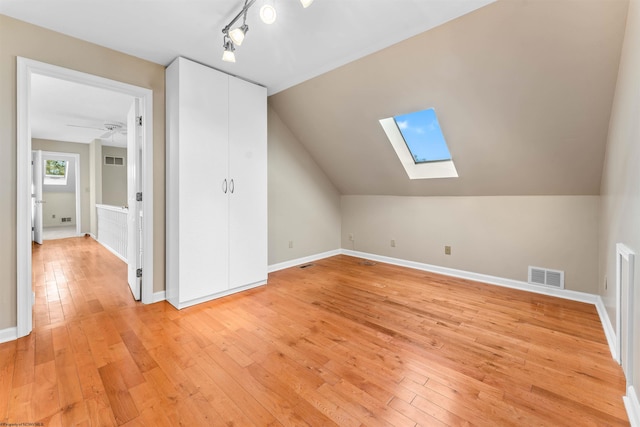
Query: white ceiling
[
  {"x": 301, "y": 44},
  {"x": 72, "y": 112}
]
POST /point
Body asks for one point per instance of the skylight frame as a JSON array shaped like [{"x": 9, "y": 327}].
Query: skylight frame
[{"x": 423, "y": 170}]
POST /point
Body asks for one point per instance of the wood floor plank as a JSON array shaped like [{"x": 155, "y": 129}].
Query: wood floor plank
[
  {"x": 342, "y": 342},
  {"x": 122, "y": 404},
  {"x": 45, "y": 391},
  {"x": 7, "y": 363}
]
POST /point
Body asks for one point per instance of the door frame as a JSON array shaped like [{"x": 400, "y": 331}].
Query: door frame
[
  {"x": 624, "y": 253},
  {"x": 25, "y": 69},
  {"x": 76, "y": 170}
]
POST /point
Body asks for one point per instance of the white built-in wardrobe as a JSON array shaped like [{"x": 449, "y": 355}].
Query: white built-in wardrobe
[{"x": 216, "y": 191}]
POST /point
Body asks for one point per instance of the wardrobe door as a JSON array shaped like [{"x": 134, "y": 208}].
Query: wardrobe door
[
  {"x": 248, "y": 183},
  {"x": 203, "y": 181}
]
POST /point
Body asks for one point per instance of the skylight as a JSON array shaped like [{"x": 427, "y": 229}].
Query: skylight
[
  {"x": 420, "y": 145},
  {"x": 422, "y": 134},
  {"x": 55, "y": 172}
]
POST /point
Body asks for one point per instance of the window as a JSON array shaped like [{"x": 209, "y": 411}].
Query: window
[
  {"x": 422, "y": 134},
  {"x": 420, "y": 145},
  {"x": 55, "y": 172}
]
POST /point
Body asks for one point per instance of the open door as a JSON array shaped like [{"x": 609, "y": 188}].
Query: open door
[
  {"x": 134, "y": 198},
  {"x": 36, "y": 196}
]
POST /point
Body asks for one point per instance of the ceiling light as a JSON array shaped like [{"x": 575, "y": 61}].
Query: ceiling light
[
  {"x": 268, "y": 14},
  {"x": 228, "y": 55},
  {"x": 235, "y": 37},
  {"x": 237, "y": 34}
]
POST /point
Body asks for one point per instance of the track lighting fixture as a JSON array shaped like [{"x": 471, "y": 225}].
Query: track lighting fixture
[
  {"x": 228, "y": 55},
  {"x": 234, "y": 37}
]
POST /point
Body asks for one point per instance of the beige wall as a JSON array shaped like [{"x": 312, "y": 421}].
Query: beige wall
[
  {"x": 83, "y": 151},
  {"x": 499, "y": 236},
  {"x": 95, "y": 183},
  {"x": 21, "y": 39},
  {"x": 114, "y": 178},
  {"x": 620, "y": 189},
  {"x": 60, "y": 205},
  {"x": 304, "y": 206}
]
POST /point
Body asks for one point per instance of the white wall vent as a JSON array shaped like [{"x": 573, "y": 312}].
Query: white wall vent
[{"x": 546, "y": 277}]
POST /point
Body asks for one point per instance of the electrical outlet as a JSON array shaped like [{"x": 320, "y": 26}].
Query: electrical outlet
[
  {"x": 447, "y": 250},
  {"x": 393, "y": 243},
  {"x": 351, "y": 238},
  {"x": 290, "y": 244}
]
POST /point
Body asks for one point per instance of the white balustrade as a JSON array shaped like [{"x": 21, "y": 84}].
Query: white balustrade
[{"x": 112, "y": 229}]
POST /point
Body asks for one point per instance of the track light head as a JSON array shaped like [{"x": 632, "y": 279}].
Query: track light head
[
  {"x": 306, "y": 3},
  {"x": 228, "y": 55},
  {"x": 237, "y": 34}
]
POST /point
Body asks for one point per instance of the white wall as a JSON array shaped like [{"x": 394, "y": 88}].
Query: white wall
[
  {"x": 304, "y": 206},
  {"x": 620, "y": 190},
  {"x": 499, "y": 236}
]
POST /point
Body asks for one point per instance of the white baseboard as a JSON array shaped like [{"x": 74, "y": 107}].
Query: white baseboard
[
  {"x": 159, "y": 296},
  {"x": 632, "y": 406},
  {"x": 609, "y": 331},
  {"x": 185, "y": 304},
  {"x": 493, "y": 280},
  {"x": 8, "y": 334},
  {"x": 303, "y": 260},
  {"x": 113, "y": 251}
]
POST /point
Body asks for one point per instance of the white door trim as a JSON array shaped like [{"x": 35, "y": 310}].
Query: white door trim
[
  {"x": 76, "y": 159},
  {"x": 25, "y": 68},
  {"x": 623, "y": 252}
]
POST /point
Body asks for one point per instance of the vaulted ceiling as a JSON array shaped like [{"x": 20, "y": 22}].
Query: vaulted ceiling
[
  {"x": 523, "y": 88},
  {"x": 523, "y": 92}
]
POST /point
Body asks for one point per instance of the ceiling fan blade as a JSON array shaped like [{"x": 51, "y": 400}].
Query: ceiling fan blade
[
  {"x": 107, "y": 134},
  {"x": 85, "y": 127}
]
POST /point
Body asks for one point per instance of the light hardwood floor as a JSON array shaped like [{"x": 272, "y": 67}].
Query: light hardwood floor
[{"x": 336, "y": 343}]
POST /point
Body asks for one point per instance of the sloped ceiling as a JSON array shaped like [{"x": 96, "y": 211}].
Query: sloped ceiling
[
  {"x": 523, "y": 92},
  {"x": 301, "y": 44}
]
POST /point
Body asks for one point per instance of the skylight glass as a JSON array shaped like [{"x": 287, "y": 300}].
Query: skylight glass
[
  {"x": 55, "y": 172},
  {"x": 423, "y": 136},
  {"x": 419, "y": 144}
]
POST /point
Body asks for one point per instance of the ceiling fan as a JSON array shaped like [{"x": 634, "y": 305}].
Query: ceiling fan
[{"x": 110, "y": 128}]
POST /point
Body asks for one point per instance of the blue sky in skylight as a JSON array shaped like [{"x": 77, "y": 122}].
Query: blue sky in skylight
[{"x": 422, "y": 134}]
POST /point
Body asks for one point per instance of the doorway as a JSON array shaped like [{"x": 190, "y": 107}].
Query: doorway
[
  {"x": 142, "y": 179},
  {"x": 56, "y": 211}
]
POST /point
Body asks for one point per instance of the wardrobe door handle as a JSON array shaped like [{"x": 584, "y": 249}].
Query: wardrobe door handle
[
  {"x": 224, "y": 186},
  {"x": 232, "y": 186}
]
